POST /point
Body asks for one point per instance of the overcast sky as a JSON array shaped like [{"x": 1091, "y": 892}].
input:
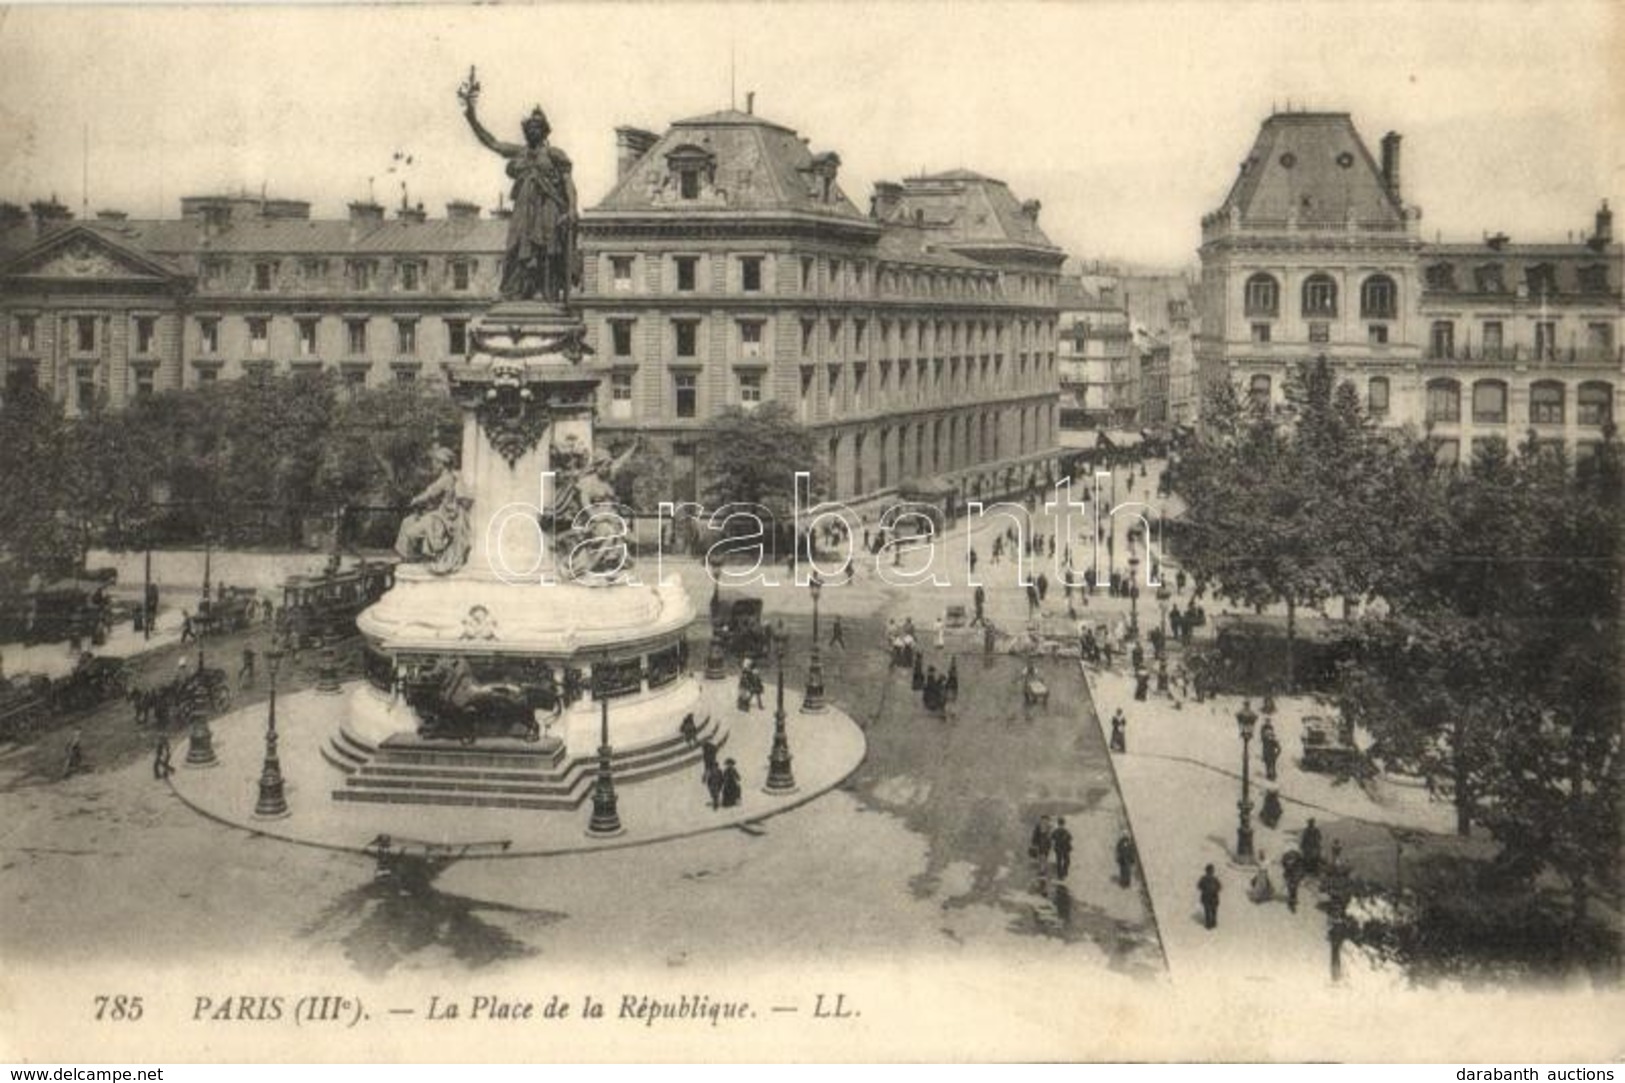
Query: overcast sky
[{"x": 1126, "y": 120}]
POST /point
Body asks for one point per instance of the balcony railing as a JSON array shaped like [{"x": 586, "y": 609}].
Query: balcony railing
[{"x": 1518, "y": 353}]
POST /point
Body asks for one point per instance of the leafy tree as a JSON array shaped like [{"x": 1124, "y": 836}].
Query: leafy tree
[
  {"x": 35, "y": 533},
  {"x": 1498, "y": 668},
  {"x": 377, "y": 451},
  {"x": 752, "y": 457},
  {"x": 1293, "y": 510}
]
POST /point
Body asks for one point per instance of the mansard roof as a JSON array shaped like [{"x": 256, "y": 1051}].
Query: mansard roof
[
  {"x": 751, "y": 165},
  {"x": 1315, "y": 168}
]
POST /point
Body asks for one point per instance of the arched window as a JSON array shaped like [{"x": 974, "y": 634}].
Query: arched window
[
  {"x": 1319, "y": 295},
  {"x": 1444, "y": 401},
  {"x": 1489, "y": 402},
  {"x": 1379, "y": 298},
  {"x": 1594, "y": 405},
  {"x": 1546, "y": 403},
  {"x": 1377, "y": 396},
  {"x": 1263, "y": 296}
]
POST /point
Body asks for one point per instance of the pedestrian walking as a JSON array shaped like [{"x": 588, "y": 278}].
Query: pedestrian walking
[
  {"x": 1119, "y": 738},
  {"x": 1207, "y": 889},
  {"x": 1042, "y": 583},
  {"x": 1032, "y": 600},
  {"x": 1125, "y": 860},
  {"x": 941, "y": 628},
  {"x": 1262, "y": 887},
  {"x": 711, "y": 774},
  {"x": 1142, "y": 684},
  {"x": 732, "y": 788},
  {"x": 74, "y": 761},
  {"x": 1309, "y": 847},
  {"x": 1270, "y": 746},
  {"x": 688, "y": 729},
  {"x": 245, "y": 673},
  {"x": 917, "y": 679},
  {"x": 979, "y": 598},
  {"x": 951, "y": 685},
  {"x": 1060, "y": 841},
  {"x": 188, "y": 633},
  {"x": 973, "y": 560},
  {"x": 837, "y": 634},
  {"x": 161, "y": 767},
  {"x": 1039, "y": 846},
  {"x": 1292, "y": 876},
  {"x": 1179, "y": 581}
]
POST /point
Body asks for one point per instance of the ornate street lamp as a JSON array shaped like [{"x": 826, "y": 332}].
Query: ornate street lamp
[
  {"x": 199, "y": 739},
  {"x": 606, "y": 819},
  {"x": 781, "y": 780},
  {"x": 1246, "y": 719},
  {"x": 813, "y": 701},
  {"x": 273, "y": 803}
]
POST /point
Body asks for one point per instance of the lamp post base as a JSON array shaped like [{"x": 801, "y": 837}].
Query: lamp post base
[
  {"x": 812, "y": 701},
  {"x": 606, "y": 820},
  {"x": 200, "y": 747}
]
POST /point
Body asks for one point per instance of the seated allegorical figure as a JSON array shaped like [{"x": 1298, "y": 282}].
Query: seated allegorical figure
[{"x": 437, "y": 531}]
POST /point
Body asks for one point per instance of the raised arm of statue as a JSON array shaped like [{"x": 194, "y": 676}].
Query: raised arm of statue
[
  {"x": 469, "y": 95},
  {"x": 624, "y": 457}
]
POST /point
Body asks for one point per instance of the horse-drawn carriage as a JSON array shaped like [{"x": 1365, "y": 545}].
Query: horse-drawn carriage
[
  {"x": 93, "y": 681},
  {"x": 231, "y": 610},
  {"x": 182, "y": 698},
  {"x": 318, "y": 610}
]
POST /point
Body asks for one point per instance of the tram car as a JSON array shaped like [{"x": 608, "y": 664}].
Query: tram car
[
  {"x": 318, "y": 610},
  {"x": 231, "y": 610}
]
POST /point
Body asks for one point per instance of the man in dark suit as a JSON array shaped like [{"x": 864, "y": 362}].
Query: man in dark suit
[
  {"x": 1208, "y": 888},
  {"x": 1060, "y": 840}
]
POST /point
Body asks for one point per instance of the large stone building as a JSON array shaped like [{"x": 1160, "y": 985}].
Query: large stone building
[
  {"x": 1314, "y": 253},
  {"x": 1098, "y": 368},
  {"x": 726, "y": 267}
]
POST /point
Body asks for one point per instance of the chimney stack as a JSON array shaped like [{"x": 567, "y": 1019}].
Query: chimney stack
[
  {"x": 1604, "y": 234},
  {"x": 1390, "y": 164},
  {"x": 461, "y": 210},
  {"x": 48, "y": 213},
  {"x": 631, "y": 144},
  {"x": 111, "y": 216},
  {"x": 750, "y": 103},
  {"x": 416, "y": 214}
]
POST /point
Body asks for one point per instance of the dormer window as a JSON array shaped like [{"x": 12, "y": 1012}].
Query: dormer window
[
  {"x": 693, "y": 167},
  {"x": 1441, "y": 276},
  {"x": 1542, "y": 279},
  {"x": 1594, "y": 278},
  {"x": 1488, "y": 278}
]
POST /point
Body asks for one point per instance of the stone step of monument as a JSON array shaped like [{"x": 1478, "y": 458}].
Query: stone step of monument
[
  {"x": 459, "y": 776},
  {"x": 452, "y": 790},
  {"x": 347, "y": 752}
]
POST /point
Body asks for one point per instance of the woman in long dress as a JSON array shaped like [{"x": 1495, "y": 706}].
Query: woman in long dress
[{"x": 1262, "y": 888}]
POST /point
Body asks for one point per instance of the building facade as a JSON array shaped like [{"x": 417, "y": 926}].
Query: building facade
[
  {"x": 725, "y": 268},
  {"x": 1314, "y": 253},
  {"x": 1098, "y": 367}
]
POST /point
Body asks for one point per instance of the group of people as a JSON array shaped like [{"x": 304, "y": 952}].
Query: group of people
[
  {"x": 722, "y": 781},
  {"x": 1308, "y": 860},
  {"x": 1051, "y": 838}
]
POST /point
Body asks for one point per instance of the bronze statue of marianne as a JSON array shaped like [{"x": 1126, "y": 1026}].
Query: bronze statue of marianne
[{"x": 540, "y": 263}]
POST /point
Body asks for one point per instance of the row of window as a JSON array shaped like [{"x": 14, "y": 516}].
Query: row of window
[
  {"x": 1539, "y": 279},
  {"x": 1594, "y": 402},
  {"x": 833, "y": 277},
  {"x": 1379, "y": 296},
  {"x": 923, "y": 338},
  {"x": 314, "y": 272},
  {"x": 1598, "y": 344},
  {"x": 956, "y": 441},
  {"x": 85, "y": 334}
]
